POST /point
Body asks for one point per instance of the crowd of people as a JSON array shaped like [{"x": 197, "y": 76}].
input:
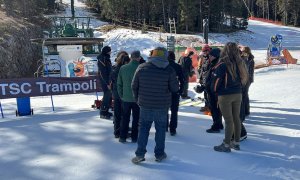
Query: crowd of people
[{"x": 146, "y": 90}]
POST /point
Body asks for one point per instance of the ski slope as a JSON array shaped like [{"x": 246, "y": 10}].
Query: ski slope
[{"x": 74, "y": 143}]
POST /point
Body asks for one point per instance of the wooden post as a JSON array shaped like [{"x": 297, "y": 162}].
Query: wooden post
[{"x": 159, "y": 28}]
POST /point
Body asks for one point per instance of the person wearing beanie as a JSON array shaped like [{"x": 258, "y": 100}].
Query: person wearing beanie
[
  {"x": 104, "y": 70},
  {"x": 153, "y": 84},
  {"x": 187, "y": 69},
  {"x": 212, "y": 96},
  {"x": 128, "y": 102},
  {"x": 203, "y": 66}
]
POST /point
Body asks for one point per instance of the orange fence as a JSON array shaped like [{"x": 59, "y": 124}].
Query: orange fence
[{"x": 265, "y": 20}]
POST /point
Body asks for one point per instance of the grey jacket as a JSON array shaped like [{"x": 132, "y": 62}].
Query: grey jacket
[{"x": 153, "y": 84}]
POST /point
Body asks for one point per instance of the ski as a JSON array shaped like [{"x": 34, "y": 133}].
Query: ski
[
  {"x": 192, "y": 100},
  {"x": 196, "y": 103}
]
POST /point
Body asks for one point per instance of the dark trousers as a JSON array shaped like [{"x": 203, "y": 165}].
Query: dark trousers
[
  {"x": 245, "y": 105},
  {"x": 215, "y": 112},
  {"x": 185, "y": 86},
  {"x": 206, "y": 100},
  {"x": 127, "y": 107},
  {"x": 105, "y": 101},
  {"x": 247, "y": 101},
  {"x": 243, "y": 130},
  {"x": 245, "y": 108},
  {"x": 174, "y": 113},
  {"x": 117, "y": 115}
]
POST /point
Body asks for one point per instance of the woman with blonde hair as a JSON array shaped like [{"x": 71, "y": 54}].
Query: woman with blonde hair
[{"x": 231, "y": 74}]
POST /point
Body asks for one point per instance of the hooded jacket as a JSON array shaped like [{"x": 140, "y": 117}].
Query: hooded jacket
[
  {"x": 124, "y": 81},
  {"x": 153, "y": 83},
  {"x": 224, "y": 84},
  {"x": 104, "y": 68}
]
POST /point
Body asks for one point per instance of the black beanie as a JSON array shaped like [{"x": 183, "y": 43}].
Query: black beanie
[
  {"x": 215, "y": 52},
  {"x": 105, "y": 50}
]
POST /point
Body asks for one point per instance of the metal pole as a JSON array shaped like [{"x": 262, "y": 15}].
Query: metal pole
[
  {"x": 205, "y": 30},
  {"x": 47, "y": 72},
  {"x": 72, "y": 9},
  {"x": 1, "y": 110},
  {"x": 51, "y": 94},
  {"x": 164, "y": 15}
]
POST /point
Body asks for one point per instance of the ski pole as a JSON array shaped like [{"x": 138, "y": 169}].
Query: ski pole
[
  {"x": 51, "y": 94},
  {"x": 97, "y": 95},
  {"x": 1, "y": 110}
]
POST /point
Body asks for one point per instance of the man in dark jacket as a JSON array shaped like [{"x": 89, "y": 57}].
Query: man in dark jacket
[
  {"x": 212, "y": 96},
  {"x": 104, "y": 68},
  {"x": 152, "y": 85},
  {"x": 176, "y": 95},
  {"x": 203, "y": 69},
  {"x": 187, "y": 69}
]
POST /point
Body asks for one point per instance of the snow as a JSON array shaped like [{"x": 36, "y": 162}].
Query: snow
[
  {"x": 256, "y": 37},
  {"x": 74, "y": 143}
]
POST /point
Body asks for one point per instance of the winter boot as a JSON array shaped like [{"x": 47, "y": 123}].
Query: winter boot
[
  {"x": 185, "y": 97},
  {"x": 109, "y": 113},
  {"x": 172, "y": 132},
  {"x": 161, "y": 157},
  {"x": 204, "y": 108},
  {"x": 243, "y": 133},
  {"x": 137, "y": 159},
  {"x": 122, "y": 140},
  {"x": 234, "y": 145},
  {"x": 223, "y": 148},
  {"x": 212, "y": 130}
]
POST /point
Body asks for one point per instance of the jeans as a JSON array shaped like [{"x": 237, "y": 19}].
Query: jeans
[
  {"x": 127, "y": 107},
  {"x": 147, "y": 116}
]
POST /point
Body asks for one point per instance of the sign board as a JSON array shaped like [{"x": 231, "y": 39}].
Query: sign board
[
  {"x": 170, "y": 43},
  {"x": 29, "y": 87}
]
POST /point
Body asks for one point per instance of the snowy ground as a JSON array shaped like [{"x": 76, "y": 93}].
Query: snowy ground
[
  {"x": 257, "y": 37},
  {"x": 74, "y": 143}
]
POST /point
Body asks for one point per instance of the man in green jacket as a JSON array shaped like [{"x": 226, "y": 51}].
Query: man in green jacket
[{"x": 128, "y": 102}]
